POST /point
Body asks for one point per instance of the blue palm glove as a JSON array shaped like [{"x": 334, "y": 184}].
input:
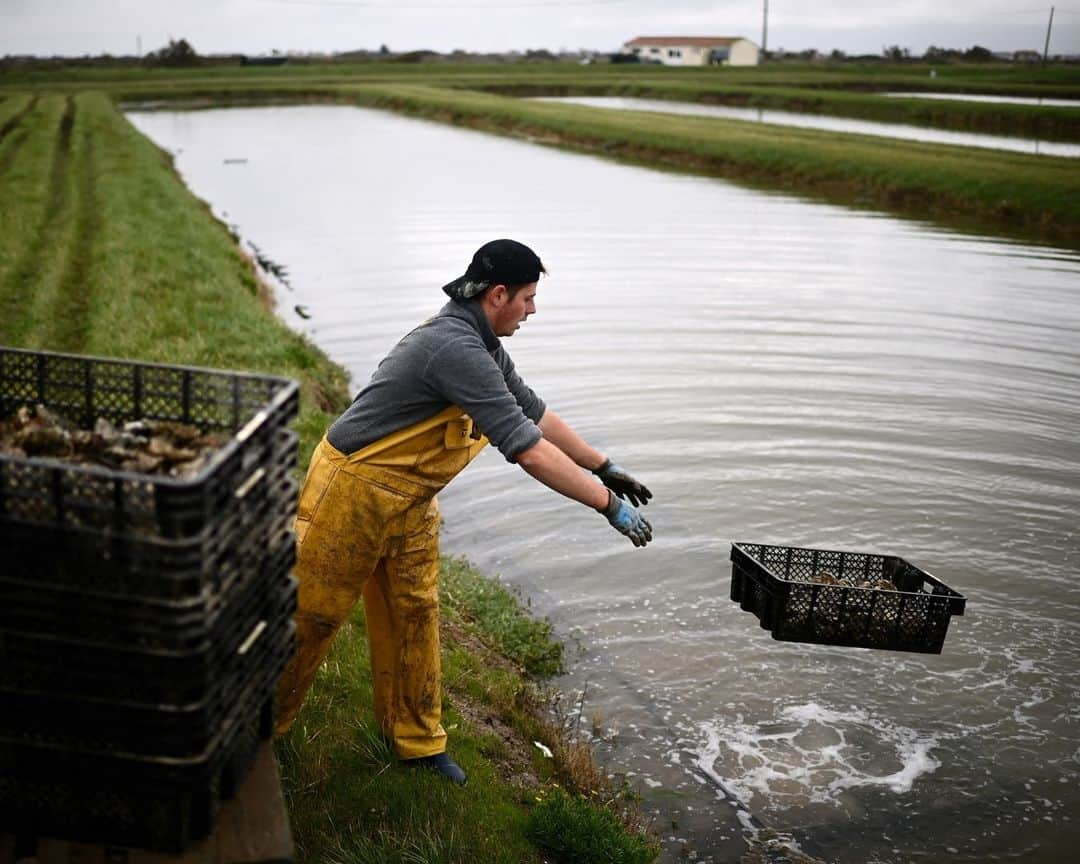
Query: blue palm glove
[
  {"x": 622, "y": 484},
  {"x": 626, "y": 520}
]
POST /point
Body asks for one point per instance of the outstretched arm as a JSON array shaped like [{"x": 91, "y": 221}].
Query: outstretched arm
[
  {"x": 553, "y": 467},
  {"x": 556, "y": 469},
  {"x": 559, "y": 433}
]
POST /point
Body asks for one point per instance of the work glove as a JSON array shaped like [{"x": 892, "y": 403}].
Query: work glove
[
  {"x": 626, "y": 520},
  {"x": 622, "y": 484}
]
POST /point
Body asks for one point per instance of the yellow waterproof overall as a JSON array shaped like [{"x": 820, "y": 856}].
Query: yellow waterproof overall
[{"x": 368, "y": 525}]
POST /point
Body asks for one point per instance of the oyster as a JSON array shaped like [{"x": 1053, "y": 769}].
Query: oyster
[{"x": 147, "y": 446}]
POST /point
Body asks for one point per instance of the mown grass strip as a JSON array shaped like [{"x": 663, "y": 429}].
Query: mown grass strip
[
  {"x": 1027, "y": 196},
  {"x": 1029, "y": 121},
  {"x": 14, "y": 131},
  {"x": 33, "y": 186},
  {"x": 46, "y": 314},
  {"x": 12, "y": 110},
  {"x": 70, "y": 329}
]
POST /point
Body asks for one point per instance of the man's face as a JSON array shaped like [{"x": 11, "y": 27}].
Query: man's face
[{"x": 510, "y": 314}]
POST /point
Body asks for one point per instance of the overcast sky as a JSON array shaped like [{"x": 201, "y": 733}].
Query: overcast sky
[{"x": 77, "y": 27}]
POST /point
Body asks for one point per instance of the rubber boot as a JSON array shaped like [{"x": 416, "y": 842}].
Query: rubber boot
[{"x": 442, "y": 763}]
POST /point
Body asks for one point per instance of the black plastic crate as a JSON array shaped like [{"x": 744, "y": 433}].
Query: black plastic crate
[
  {"x": 158, "y": 804},
  {"x": 104, "y": 560},
  {"x": 785, "y": 588},
  {"x": 135, "y": 730},
  {"x": 136, "y": 621},
  {"x": 98, "y": 695},
  {"x": 39, "y": 491},
  {"x": 174, "y": 677}
]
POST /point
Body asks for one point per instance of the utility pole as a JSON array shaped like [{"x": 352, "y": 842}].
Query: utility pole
[
  {"x": 1046, "y": 47},
  {"x": 765, "y": 31}
]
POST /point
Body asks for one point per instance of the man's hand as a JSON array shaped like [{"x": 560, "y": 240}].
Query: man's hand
[
  {"x": 622, "y": 484},
  {"x": 626, "y": 520}
]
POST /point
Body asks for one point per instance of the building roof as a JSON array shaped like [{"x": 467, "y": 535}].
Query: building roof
[{"x": 674, "y": 41}]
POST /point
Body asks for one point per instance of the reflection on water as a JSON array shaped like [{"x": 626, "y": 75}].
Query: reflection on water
[
  {"x": 776, "y": 371},
  {"x": 975, "y": 97},
  {"x": 820, "y": 121}
]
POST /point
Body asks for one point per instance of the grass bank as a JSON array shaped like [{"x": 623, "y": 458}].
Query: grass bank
[
  {"x": 1040, "y": 122},
  {"x": 843, "y": 90},
  {"x": 104, "y": 251},
  {"x": 351, "y": 800}
]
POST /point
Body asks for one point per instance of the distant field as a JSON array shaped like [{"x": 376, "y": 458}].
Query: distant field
[
  {"x": 1027, "y": 196},
  {"x": 841, "y": 90}
]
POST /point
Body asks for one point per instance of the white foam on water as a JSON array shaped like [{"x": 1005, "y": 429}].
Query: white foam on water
[{"x": 810, "y": 754}]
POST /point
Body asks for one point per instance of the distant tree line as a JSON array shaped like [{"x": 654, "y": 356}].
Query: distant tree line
[
  {"x": 180, "y": 53},
  {"x": 177, "y": 53},
  {"x": 902, "y": 54}
]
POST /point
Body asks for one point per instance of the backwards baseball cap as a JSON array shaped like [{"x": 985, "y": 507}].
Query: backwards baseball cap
[{"x": 500, "y": 262}]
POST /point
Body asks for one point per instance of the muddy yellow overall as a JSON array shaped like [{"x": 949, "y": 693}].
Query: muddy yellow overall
[{"x": 367, "y": 525}]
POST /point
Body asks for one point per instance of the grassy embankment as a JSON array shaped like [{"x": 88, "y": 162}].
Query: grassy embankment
[
  {"x": 1018, "y": 195},
  {"x": 1043, "y": 123},
  {"x": 842, "y": 90},
  {"x": 104, "y": 251}
]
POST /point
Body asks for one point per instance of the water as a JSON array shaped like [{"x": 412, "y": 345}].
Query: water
[
  {"x": 777, "y": 371},
  {"x": 820, "y": 121},
  {"x": 972, "y": 97}
]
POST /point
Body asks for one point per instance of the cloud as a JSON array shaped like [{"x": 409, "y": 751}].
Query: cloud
[{"x": 75, "y": 27}]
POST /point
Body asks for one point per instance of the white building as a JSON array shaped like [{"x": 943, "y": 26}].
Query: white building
[{"x": 694, "y": 50}]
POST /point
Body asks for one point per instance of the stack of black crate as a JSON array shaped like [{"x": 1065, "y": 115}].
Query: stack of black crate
[{"x": 144, "y": 620}]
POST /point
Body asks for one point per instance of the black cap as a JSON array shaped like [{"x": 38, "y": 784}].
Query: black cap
[{"x": 500, "y": 262}]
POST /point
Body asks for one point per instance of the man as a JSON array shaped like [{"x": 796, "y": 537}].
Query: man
[{"x": 367, "y": 521}]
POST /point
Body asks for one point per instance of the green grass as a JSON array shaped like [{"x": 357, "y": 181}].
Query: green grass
[
  {"x": 350, "y": 800},
  {"x": 848, "y": 90},
  {"x": 1055, "y": 123},
  {"x": 109, "y": 254},
  {"x": 571, "y": 830},
  {"x": 10, "y": 107},
  {"x": 515, "y": 634}
]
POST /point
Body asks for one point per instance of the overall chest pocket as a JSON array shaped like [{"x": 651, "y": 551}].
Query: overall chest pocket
[{"x": 459, "y": 433}]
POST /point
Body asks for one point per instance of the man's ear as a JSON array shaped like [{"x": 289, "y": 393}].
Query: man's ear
[{"x": 498, "y": 294}]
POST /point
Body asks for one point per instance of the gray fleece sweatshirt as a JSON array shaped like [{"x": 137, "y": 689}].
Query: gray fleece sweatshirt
[{"x": 454, "y": 358}]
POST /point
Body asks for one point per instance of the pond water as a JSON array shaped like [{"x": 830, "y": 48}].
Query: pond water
[
  {"x": 974, "y": 97},
  {"x": 778, "y": 371},
  {"x": 821, "y": 121}
]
